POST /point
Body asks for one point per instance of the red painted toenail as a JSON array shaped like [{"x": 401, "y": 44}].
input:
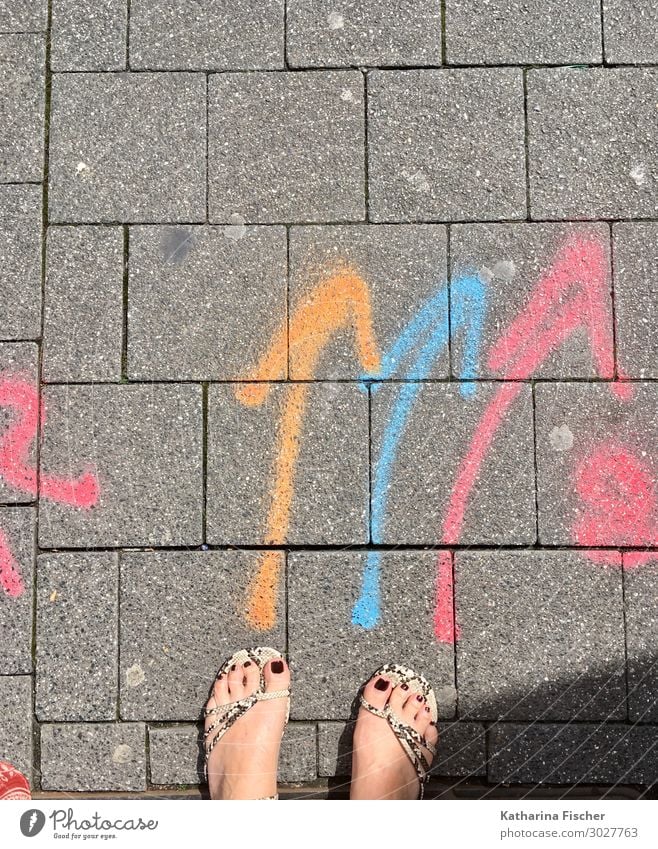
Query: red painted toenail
[
  {"x": 381, "y": 684},
  {"x": 419, "y": 697},
  {"x": 247, "y": 663},
  {"x": 220, "y": 676},
  {"x": 404, "y": 686},
  {"x": 233, "y": 668},
  {"x": 428, "y": 710},
  {"x": 277, "y": 667}
]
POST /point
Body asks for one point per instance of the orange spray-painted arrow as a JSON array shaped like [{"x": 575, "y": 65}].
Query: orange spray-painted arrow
[{"x": 340, "y": 302}]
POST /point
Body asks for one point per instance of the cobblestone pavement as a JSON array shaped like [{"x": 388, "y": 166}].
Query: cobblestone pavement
[{"x": 329, "y": 325}]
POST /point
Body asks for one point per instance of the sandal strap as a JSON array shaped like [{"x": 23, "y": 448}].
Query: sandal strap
[
  {"x": 410, "y": 740},
  {"x": 230, "y": 713}
]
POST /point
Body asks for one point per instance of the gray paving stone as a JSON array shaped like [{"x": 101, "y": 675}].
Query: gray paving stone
[
  {"x": 330, "y": 480},
  {"x": 16, "y": 722},
  {"x": 542, "y": 636},
  {"x": 207, "y": 35},
  {"x": 403, "y": 267},
  {"x": 597, "y": 463},
  {"x": 19, "y": 367},
  {"x": 499, "y": 510},
  {"x": 511, "y": 259},
  {"x": 461, "y": 750},
  {"x": 176, "y": 755},
  {"x": 22, "y": 86},
  {"x": 20, "y": 266},
  {"x": 567, "y": 754},
  {"x": 17, "y": 524},
  {"x": 203, "y": 304},
  {"x": 77, "y": 637},
  {"x": 83, "y": 315},
  {"x": 370, "y": 32},
  {"x": 641, "y": 599},
  {"x": 518, "y": 32},
  {"x": 144, "y": 443},
  {"x": 169, "y": 653},
  {"x": 88, "y": 35},
  {"x": 23, "y": 15},
  {"x": 330, "y": 658},
  {"x": 446, "y": 145},
  {"x": 127, "y": 147},
  {"x": 636, "y": 306},
  {"x": 286, "y": 147},
  {"x": 299, "y": 757},
  {"x": 631, "y": 31},
  {"x": 578, "y": 167},
  {"x": 93, "y": 756}
]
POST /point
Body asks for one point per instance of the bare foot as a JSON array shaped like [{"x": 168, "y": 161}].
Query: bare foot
[
  {"x": 243, "y": 764},
  {"x": 381, "y": 769}
]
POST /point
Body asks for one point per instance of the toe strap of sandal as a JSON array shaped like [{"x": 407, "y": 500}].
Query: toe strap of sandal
[
  {"x": 227, "y": 715},
  {"x": 411, "y": 741}
]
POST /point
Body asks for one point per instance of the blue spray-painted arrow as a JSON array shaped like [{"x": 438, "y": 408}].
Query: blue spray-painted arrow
[{"x": 427, "y": 334}]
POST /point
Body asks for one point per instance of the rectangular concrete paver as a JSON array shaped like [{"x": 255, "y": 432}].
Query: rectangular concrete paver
[
  {"x": 93, "y": 756},
  {"x": 20, "y": 271},
  {"x": 641, "y": 600},
  {"x": 576, "y": 119},
  {"x": 636, "y": 298},
  {"x": 88, "y": 35},
  {"x": 571, "y": 754},
  {"x": 17, "y": 530},
  {"x": 83, "y": 313},
  {"x": 597, "y": 461},
  {"x": 176, "y": 754},
  {"x": 461, "y": 752},
  {"x": 16, "y": 722},
  {"x": 169, "y": 653},
  {"x": 328, "y": 478},
  {"x": 206, "y": 35},
  {"x": 22, "y": 87},
  {"x": 513, "y": 261},
  {"x": 446, "y": 145},
  {"x": 23, "y": 15},
  {"x": 370, "y": 32},
  {"x": 414, "y": 476},
  {"x": 402, "y": 266},
  {"x": 331, "y": 658},
  {"x": 127, "y": 147},
  {"x": 286, "y": 147},
  {"x": 631, "y": 31},
  {"x": 204, "y": 302},
  {"x": 518, "y": 32},
  {"x": 77, "y": 636},
  {"x": 18, "y": 421},
  {"x": 143, "y": 444},
  {"x": 541, "y": 636}
]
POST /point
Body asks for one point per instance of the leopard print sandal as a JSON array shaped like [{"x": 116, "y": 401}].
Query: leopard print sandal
[
  {"x": 410, "y": 740},
  {"x": 227, "y": 715}
]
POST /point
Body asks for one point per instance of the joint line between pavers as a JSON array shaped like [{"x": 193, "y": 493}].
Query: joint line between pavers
[
  {"x": 118, "y": 683},
  {"x": 444, "y": 41},
  {"x": 207, "y": 180},
  {"x": 448, "y": 293},
  {"x": 285, "y": 35},
  {"x": 623, "y": 613},
  {"x": 128, "y": 17},
  {"x": 613, "y": 305},
  {"x": 602, "y": 32},
  {"x": 124, "y": 305},
  {"x": 366, "y": 152},
  {"x": 534, "y": 459},
  {"x": 288, "y": 364},
  {"x": 204, "y": 460},
  {"x": 526, "y": 144}
]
